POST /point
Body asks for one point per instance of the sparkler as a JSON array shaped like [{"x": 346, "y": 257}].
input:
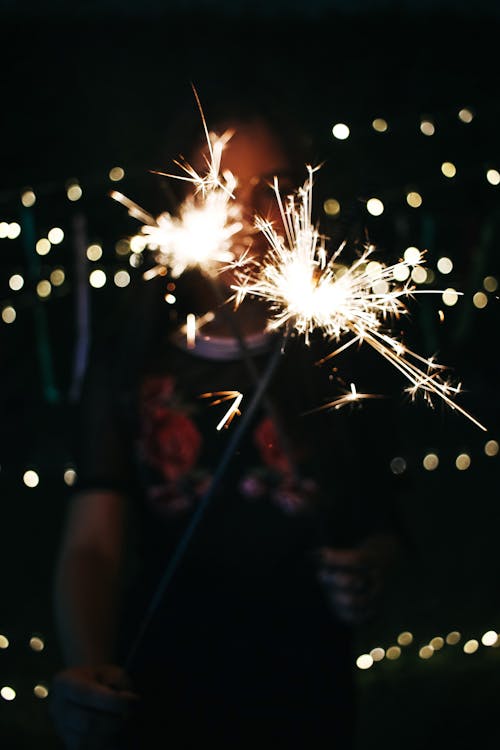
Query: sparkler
[
  {"x": 307, "y": 290},
  {"x": 201, "y": 234}
]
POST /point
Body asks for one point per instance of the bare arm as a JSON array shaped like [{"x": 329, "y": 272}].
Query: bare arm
[{"x": 87, "y": 577}]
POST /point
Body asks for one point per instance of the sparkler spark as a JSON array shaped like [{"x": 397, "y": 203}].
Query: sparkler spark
[
  {"x": 201, "y": 234},
  {"x": 220, "y": 397},
  {"x": 308, "y": 290}
]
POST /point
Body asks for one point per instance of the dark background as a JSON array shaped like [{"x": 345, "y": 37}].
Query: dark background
[{"x": 85, "y": 87}]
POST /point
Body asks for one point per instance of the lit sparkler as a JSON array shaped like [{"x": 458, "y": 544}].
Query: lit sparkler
[
  {"x": 307, "y": 290},
  {"x": 201, "y": 234}
]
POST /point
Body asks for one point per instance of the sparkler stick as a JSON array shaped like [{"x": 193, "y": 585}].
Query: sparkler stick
[
  {"x": 308, "y": 291},
  {"x": 202, "y": 505}
]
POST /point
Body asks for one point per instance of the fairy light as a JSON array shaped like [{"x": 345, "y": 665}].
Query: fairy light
[
  {"x": 57, "y": 277},
  {"x": 427, "y": 127},
  {"x": 465, "y": 115},
  {"x": 28, "y": 198},
  {"x": 31, "y": 478},
  {"x": 121, "y": 278},
  {"x": 116, "y": 174},
  {"x": 69, "y": 477},
  {"x": 491, "y": 448},
  {"x": 398, "y": 465},
  {"x": 16, "y": 282},
  {"x": 14, "y": 230},
  {"x": 341, "y": 131},
  {"x": 414, "y": 199},
  {"x": 450, "y": 297},
  {"x": 55, "y": 235},
  {"x": 8, "y": 314},
  {"x": 374, "y": 206},
  {"x": 8, "y": 693},
  {"x": 74, "y": 192},
  {"x": 463, "y": 461},
  {"x": 4, "y": 642},
  {"x": 444, "y": 265},
  {"x": 94, "y": 252},
  {"x": 480, "y": 300},
  {"x": 331, "y": 207},
  {"x": 430, "y": 462},
  {"x": 490, "y": 283},
  {"x": 36, "y": 643},
  {"x": 97, "y": 278},
  {"x": 40, "y": 691},
  {"x": 380, "y": 125},
  {"x": 448, "y": 169},
  {"x": 43, "y": 246},
  {"x": 493, "y": 176}
]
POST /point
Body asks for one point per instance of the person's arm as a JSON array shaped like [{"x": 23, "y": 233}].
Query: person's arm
[
  {"x": 92, "y": 694},
  {"x": 87, "y": 577}
]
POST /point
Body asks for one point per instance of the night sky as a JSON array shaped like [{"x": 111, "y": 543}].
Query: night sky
[{"x": 84, "y": 91}]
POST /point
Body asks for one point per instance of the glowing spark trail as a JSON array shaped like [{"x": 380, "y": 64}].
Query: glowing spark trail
[
  {"x": 233, "y": 409},
  {"x": 201, "y": 234},
  {"x": 307, "y": 290}
]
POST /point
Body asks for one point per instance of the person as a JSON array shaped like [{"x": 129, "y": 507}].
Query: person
[{"x": 251, "y": 642}]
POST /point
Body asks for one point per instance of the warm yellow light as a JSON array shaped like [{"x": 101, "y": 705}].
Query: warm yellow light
[
  {"x": 57, "y": 277},
  {"x": 340, "y": 131},
  {"x": 393, "y": 653},
  {"x": 377, "y": 653},
  {"x": 135, "y": 260},
  {"x": 445, "y": 265},
  {"x": 365, "y": 661},
  {"x": 414, "y": 199},
  {"x": 55, "y": 235},
  {"x": 74, "y": 192},
  {"x": 374, "y": 206},
  {"x": 490, "y": 283},
  {"x": 437, "y": 643},
  {"x": 430, "y": 462},
  {"x": 94, "y": 252},
  {"x": 122, "y": 278},
  {"x": 462, "y": 461},
  {"x": 405, "y": 638},
  {"x": 31, "y": 478},
  {"x": 380, "y": 125},
  {"x": 97, "y": 278},
  {"x": 426, "y": 652},
  {"x": 465, "y": 115},
  {"x": 491, "y": 448},
  {"x": 14, "y": 230},
  {"x": 16, "y": 282},
  {"x": 412, "y": 255},
  {"x": 471, "y": 646},
  {"x": 331, "y": 207},
  {"x": 453, "y": 638},
  {"x": 43, "y": 246},
  {"x": 480, "y": 300},
  {"x": 44, "y": 288},
  {"x": 28, "y": 198},
  {"x": 489, "y": 638},
  {"x": 493, "y": 176},
  {"x": 137, "y": 243},
  {"x": 4, "y": 229},
  {"x": 116, "y": 174},
  {"x": 448, "y": 169},
  {"x": 36, "y": 643},
  {"x": 40, "y": 691},
  {"x": 400, "y": 271},
  {"x": 7, "y": 693},
  {"x": 419, "y": 275},
  {"x": 69, "y": 477},
  {"x": 8, "y": 314},
  {"x": 170, "y": 298},
  {"x": 122, "y": 247},
  {"x": 4, "y": 641},
  {"x": 427, "y": 127},
  {"x": 449, "y": 297}
]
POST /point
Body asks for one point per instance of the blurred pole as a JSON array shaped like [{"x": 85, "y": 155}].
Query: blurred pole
[
  {"x": 82, "y": 305},
  {"x": 28, "y": 233}
]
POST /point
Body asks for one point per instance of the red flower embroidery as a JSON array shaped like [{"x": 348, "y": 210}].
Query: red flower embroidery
[
  {"x": 271, "y": 452},
  {"x": 170, "y": 442}
]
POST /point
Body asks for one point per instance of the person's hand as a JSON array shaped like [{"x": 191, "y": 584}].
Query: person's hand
[
  {"x": 353, "y": 578},
  {"x": 89, "y": 706}
]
